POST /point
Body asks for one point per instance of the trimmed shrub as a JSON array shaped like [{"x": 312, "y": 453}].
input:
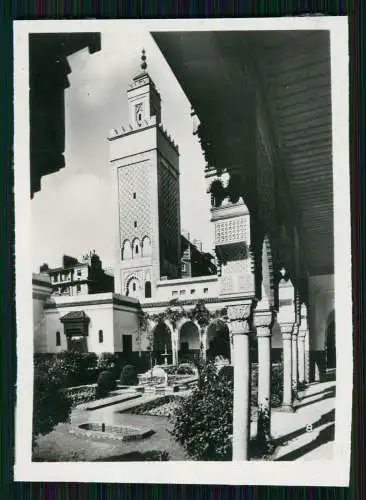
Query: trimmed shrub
[
  {"x": 128, "y": 375},
  {"x": 227, "y": 373},
  {"x": 105, "y": 384},
  {"x": 203, "y": 421}
]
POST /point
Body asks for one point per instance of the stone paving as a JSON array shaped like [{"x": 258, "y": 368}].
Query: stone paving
[{"x": 308, "y": 433}]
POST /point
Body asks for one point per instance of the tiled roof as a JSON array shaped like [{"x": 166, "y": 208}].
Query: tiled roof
[{"x": 74, "y": 315}]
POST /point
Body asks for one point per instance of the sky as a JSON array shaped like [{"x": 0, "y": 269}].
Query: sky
[{"x": 72, "y": 213}]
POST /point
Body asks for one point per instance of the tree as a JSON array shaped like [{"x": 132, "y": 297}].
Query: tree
[
  {"x": 50, "y": 405},
  {"x": 203, "y": 421}
]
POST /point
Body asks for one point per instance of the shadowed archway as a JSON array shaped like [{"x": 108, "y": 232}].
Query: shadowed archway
[
  {"x": 330, "y": 346},
  {"x": 218, "y": 340},
  {"x": 162, "y": 342},
  {"x": 189, "y": 342}
]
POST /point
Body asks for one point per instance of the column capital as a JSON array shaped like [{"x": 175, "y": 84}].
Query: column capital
[
  {"x": 238, "y": 318},
  {"x": 295, "y": 330},
  {"x": 240, "y": 312},
  {"x": 264, "y": 318},
  {"x": 239, "y": 327},
  {"x": 302, "y": 332},
  {"x": 286, "y": 330}
]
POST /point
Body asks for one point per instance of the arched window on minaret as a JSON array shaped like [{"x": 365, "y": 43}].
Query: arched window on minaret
[
  {"x": 146, "y": 246},
  {"x": 148, "y": 289},
  {"x": 136, "y": 249},
  {"x": 126, "y": 253},
  {"x": 133, "y": 288}
]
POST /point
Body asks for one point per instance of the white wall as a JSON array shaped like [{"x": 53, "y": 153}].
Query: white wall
[
  {"x": 125, "y": 322},
  {"x": 101, "y": 318},
  {"x": 181, "y": 288},
  {"x": 39, "y": 326},
  {"x": 321, "y": 304},
  {"x": 41, "y": 290}
]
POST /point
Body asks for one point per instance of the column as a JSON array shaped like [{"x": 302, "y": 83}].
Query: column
[
  {"x": 175, "y": 341},
  {"x": 239, "y": 328},
  {"x": 286, "y": 330},
  {"x": 294, "y": 359},
  {"x": 203, "y": 341},
  {"x": 263, "y": 321},
  {"x": 301, "y": 356},
  {"x": 304, "y": 345},
  {"x": 307, "y": 357},
  {"x": 174, "y": 362}
]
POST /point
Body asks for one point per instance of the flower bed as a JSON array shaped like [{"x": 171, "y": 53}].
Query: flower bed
[
  {"x": 161, "y": 407},
  {"x": 81, "y": 394},
  {"x": 84, "y": 394}
]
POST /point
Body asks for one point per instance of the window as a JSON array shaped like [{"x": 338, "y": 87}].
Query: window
[
  {"x": 148, "y": 289},
  {"x": 193, "y": 291},
  {"x": 174, "y": 293},
  {"x": 134, "y": 287},
  {"x": 146, "y": 246},
  {"x": 100, "y": 336},
  {"x": 134, "y": 196},
  {"x": 126, "y": 251},
  {"x": 58, "y": 339},
  {"x": 183, "y": 267},
  {"x": 205, "y": 290},
  {"x": 182, "y": 292},
  {"x": 78, "y": 288},
  {"x": 135, "y": 223},
  {"x": 79, "y": 272},
  {"x": 136, "y": 249}
]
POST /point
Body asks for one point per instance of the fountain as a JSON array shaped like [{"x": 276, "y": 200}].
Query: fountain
[{"x": 166, "y": 354}]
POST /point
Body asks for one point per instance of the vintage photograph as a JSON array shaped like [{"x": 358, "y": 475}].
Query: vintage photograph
[{"x": 181, "y": 202}]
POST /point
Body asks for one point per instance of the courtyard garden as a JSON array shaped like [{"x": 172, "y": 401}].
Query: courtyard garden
[{"x": 177, "y": 413}]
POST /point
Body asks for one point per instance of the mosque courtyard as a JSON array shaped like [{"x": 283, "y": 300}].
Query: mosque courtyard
[{"x": 306, "y": 434}]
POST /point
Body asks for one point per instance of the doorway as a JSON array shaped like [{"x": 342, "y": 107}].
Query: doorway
[{"x": 331, "y": 346}]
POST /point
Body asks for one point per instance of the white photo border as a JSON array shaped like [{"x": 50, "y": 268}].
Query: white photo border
[{"x": 333, "y": 472}]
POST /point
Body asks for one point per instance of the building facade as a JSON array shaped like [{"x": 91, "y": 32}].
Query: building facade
[{"x": 76, "y": 277}]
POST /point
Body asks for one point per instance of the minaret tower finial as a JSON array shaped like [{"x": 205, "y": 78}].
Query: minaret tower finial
[{"x": 143, "y": 59}]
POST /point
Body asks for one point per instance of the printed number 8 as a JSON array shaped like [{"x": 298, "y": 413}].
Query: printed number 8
[{"x": 309, "y": 428}]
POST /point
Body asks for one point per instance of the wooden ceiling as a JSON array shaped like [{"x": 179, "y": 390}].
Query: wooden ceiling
[{"x": 294, "y": 68}]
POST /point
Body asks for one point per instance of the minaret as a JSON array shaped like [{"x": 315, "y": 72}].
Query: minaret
[{"x": 145, "y": 166}]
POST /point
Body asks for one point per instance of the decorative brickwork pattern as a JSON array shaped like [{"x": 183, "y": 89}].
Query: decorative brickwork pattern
[
  {"x": 168, "y": 221},
  {"x": 267, "y": 271},
  {"x": 134, "y": 178},
  {"x": 140, "y": 274},
  {"x": 231, "y": 230},
  {"x": 236, "y": 277}
]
